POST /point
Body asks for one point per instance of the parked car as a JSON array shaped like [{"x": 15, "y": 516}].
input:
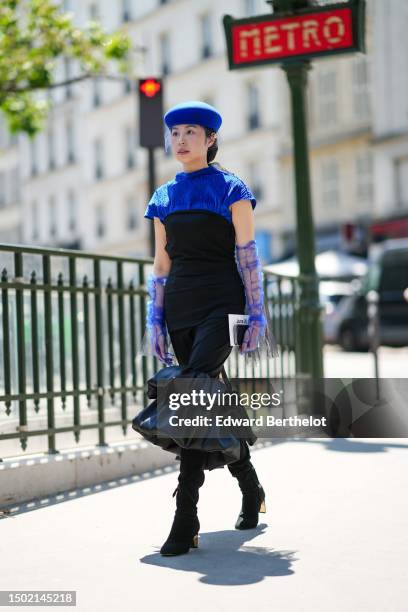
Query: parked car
[
  {"x": 331, "y": 294},
  {"x": 387, "y": 276},
  {"x": 349, "y": 324}
]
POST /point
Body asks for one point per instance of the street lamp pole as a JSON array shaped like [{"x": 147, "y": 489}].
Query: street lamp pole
[
  {"x": 309, "y": 328},
  {"x": 309, "y": 322}
]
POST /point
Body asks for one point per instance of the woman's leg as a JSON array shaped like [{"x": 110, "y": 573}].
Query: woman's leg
[
  {"x": 253, "y": 494},
  {"x": 182, "y": 341},
  {"x": 211, "y": 346},
  {"x": 210, "y": 350},
  {"x": 184, "y": 531}
]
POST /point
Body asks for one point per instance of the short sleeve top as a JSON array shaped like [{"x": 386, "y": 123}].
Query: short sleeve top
[{"x": 210, "y": 188}]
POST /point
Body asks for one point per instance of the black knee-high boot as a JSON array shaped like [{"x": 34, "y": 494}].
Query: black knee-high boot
[
  {"x": 253, "y": 494},
  {"x": 185, "y": 528}
]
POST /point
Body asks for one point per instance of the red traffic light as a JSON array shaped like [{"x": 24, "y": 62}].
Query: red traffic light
[
  {"x": 150, "y": 87},
  {"x": 151, "y": 92}
]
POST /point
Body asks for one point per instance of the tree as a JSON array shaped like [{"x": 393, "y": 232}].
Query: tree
[{"x": 34, "y": 35}]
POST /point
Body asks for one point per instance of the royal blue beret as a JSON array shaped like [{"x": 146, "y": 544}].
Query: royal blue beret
[{"x": 196, "y": 112}]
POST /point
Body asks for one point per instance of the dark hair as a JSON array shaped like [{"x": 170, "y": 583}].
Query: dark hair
[{"x": 213, "y": 149}]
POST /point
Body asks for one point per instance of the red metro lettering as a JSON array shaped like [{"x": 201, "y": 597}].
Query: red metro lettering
[{"x": 293, "y": 36}]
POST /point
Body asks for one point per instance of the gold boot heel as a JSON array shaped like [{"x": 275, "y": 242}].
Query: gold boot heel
[
  {"x": 262, "y": 507},
  {"x": 195, "y": 541}
]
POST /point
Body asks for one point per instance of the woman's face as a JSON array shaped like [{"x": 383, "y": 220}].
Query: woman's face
[{"x": 189, "y": 143}]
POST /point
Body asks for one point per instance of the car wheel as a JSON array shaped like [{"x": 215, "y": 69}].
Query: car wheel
[{"x": 347, "y": 339}]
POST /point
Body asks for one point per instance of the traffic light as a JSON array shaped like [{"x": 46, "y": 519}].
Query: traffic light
[{"x": 151, "y": 112}]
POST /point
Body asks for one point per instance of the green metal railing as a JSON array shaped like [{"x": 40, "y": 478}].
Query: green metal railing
[{"x": 71, "y": 324}]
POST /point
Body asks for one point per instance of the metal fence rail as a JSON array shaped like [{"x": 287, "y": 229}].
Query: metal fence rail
[{"x": 71, "y": 323}]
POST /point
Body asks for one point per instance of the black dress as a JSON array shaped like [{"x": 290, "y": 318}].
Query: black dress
[
  {"x": 204, "y": 282},
  {"x": 203, "y": 285}
]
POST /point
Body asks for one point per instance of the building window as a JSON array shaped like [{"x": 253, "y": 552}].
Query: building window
[
  {"x": 255, "y": 180},
  {"x": 253, "y": 119},
  {"x": 72, "y": 211},
  {"x": 165, "y": 60},
  {"x": 310, "y": 104},
  {"x": 130, "y": 148},
  {"x": 364, "y": 175},
  {"x": 51, "y": 148},
  {"x": 94, "y": 13},
  {"x": 127, "y": 86},
  {"x": 3, "y": 197},
  {"x": 208, "y": 100},
  {"x": 96, "y": 92},
  {"x": 100, "y": 225},
  {"x": 250, "y": 7},
  {"x": 206, "y": 36},
  {"x": 360, "y": 79},
  {"x": 15, "y": 186},
  {"x": 33, "y": 143},
  {"x": 131, "y": 213},
  {"x": 327, "y": 96},
  {"x": 13, "y": 139},
  {"x": 50, "y": 96},
  {"x": 98, "y": 159},
  {"x": 330, "y": 184},
  {"x": 34, "y": 221},
  {"x": 68, "y": 76},
  {"x": 70, "y": 141},
  {"x": 126, "y": 10},
  {"x": 401, "y": 181},
  {"x": 3, "y": 134},
  {"x": 52, "y": 215}
]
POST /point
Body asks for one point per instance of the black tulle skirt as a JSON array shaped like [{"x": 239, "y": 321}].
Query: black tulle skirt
[{"x": 221, "y": 443}]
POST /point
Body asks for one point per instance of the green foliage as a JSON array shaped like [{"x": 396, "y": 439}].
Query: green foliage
[{"x": 34, "y": 34}]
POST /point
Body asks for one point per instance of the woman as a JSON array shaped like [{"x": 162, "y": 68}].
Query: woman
[{"x": 205, "y": 266}]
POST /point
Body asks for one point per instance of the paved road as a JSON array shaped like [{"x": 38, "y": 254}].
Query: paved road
[
  {"x": 392, "y": 362},
  {"x": 334, "y": 537}
]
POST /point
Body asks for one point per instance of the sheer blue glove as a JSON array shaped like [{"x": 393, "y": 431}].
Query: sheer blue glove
[
  {"x": 156, "y": 330},
  {"x": 250, "y": 269}
]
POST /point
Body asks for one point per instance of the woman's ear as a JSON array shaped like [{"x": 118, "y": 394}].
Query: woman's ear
[{"x": 213, "y": 139}]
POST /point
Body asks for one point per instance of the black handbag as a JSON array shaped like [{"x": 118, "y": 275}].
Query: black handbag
[{"x": 222, "y": 445}]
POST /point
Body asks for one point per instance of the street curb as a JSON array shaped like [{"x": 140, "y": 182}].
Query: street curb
[
  {"x": 25, "y": 478},
  {"x": 28, "y": 478}
]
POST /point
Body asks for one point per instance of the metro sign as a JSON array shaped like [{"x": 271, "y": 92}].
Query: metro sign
[{"x": 309, "y": 32}]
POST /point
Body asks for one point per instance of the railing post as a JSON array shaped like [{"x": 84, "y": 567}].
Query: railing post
[
  {"x": 18, "y": 273},
  {"x": 122, "y": 340},
  {"x": 49, "y": 358},
  {"x": 74, "y": 342},
  {"x": 99, "y": 352}
]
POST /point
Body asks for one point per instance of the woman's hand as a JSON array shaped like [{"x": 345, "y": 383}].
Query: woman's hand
[
  {"x": 252, "y": 336},
  {"x": 155, "y": 319},
  {"x": 160, "y": 343}
]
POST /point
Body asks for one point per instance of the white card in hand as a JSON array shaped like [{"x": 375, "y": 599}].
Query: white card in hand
[{"x": 234, "y": 320}]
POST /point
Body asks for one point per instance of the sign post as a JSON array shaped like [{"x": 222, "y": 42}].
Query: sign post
[{"x": 291, "y": 36}]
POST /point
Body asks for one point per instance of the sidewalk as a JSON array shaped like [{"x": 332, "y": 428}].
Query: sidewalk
[{"x": 334, "y": 537}]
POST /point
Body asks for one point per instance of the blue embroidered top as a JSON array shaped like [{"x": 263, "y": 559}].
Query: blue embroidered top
[{"x": 210, "y": 188}]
